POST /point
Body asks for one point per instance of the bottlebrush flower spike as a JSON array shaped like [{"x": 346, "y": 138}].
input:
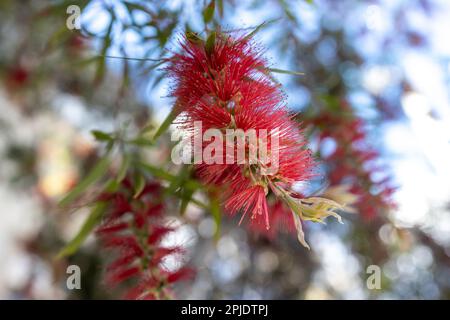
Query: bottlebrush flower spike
[
  {"x": 225, "y": 84},
  {"x": 133, "y": 230}
]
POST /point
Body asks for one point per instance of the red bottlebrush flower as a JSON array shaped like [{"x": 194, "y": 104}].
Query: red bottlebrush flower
[
  {"x": 160, "y": 253},
  {"x": 157, "y": 233},
  {"x": 227, "y": 86},
  {"x": 122, "y": 275},
  {"x": 153, "y": 288},
  {"x": 111, "y": 228},
  {"x": 133, "y": 229},
  {"x": 125, "y": 259},
  {"x": 121, "y": 206},
  {"x": 250, "y": 200},
  {"x": 124, "y": 242},
  {"x": 181, "y": 274}
]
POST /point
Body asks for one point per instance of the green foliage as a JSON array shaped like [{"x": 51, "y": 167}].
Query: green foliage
[
  {"x": 94, "y": 175},
  {"x": 139, "y": 185},
  {"x": 208, "y": 12},
  {"x": 91, "y": 222},
  {"x": 217, "y": 215},
  {"x": 210, "y": 42},
  {"x": 102, "y": 136},
  {"x": 167, "y": 122}
]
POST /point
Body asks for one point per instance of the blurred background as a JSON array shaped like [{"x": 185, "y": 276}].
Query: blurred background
[{"x": 374, "y": 102}]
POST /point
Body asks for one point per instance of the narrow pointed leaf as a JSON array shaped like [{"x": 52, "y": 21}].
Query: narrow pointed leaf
[
  {"x": 123, "y": 168},
  {"x": 208, "y": 12},
  {"x": 216, "y": 213},
  {"x": 185, "y": 199},
  {"x": 210, "y": 42},
  {"x": 194, "y": 38},
  {"x": 258, "y": 28},
  {"x": 157, "y": 172},
  {"x": 101, "y": 136},
  {"x": 95, "y": 174},
  {"x": 295, "y": 73},
  {"x": 220, "y": 7},
  {"x": 167, "y": 122},
  {"x": 90, "y": 223},
  {"x": 140, "y": 185}
]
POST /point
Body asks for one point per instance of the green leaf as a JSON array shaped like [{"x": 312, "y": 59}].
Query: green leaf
[
  {"x": 112, "y": 185},
  {"x": 142, "y": 141},
  {"x": 157, "y": 172},
  {"x": 295, "y": 73},
  {"x": 287, "y": 10},
  {"x": 161, "y": 61},
  {"x": 95, "y": 174},
  {"x": 208, "y": 12},
  {"x": 216, "y": 213},
  {"x": 210, "y": 42},
  {"x": 167, "y": 122},
  {"x": 58, "y": 37},
  {"x": 140, "y": 185},
  {"x": 193, "y": 37},
  {"x": 101, "y": 65},
  {"x": 101, "y": 136},
  {"x": 178, "y": 181},
  {"x": 85, "y": 61},
  {"x": 258, "y": 28},
  {"x": 197, "y": 202},
  {"x": 182, "y": 186},
  {"x": 147, "y": 128},
  {"x": 220, "y": 6},
  {"x": 125, "y": 78},
  {"x": 90, "y": 223},
  {"x": 184, "y": 180},
  {"x": 123, "y": 168},
  {"x": 186, "y": 197}
]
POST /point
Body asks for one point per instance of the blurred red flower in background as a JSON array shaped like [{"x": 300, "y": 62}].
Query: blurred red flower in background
[{"x": 134, "y": 228}]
